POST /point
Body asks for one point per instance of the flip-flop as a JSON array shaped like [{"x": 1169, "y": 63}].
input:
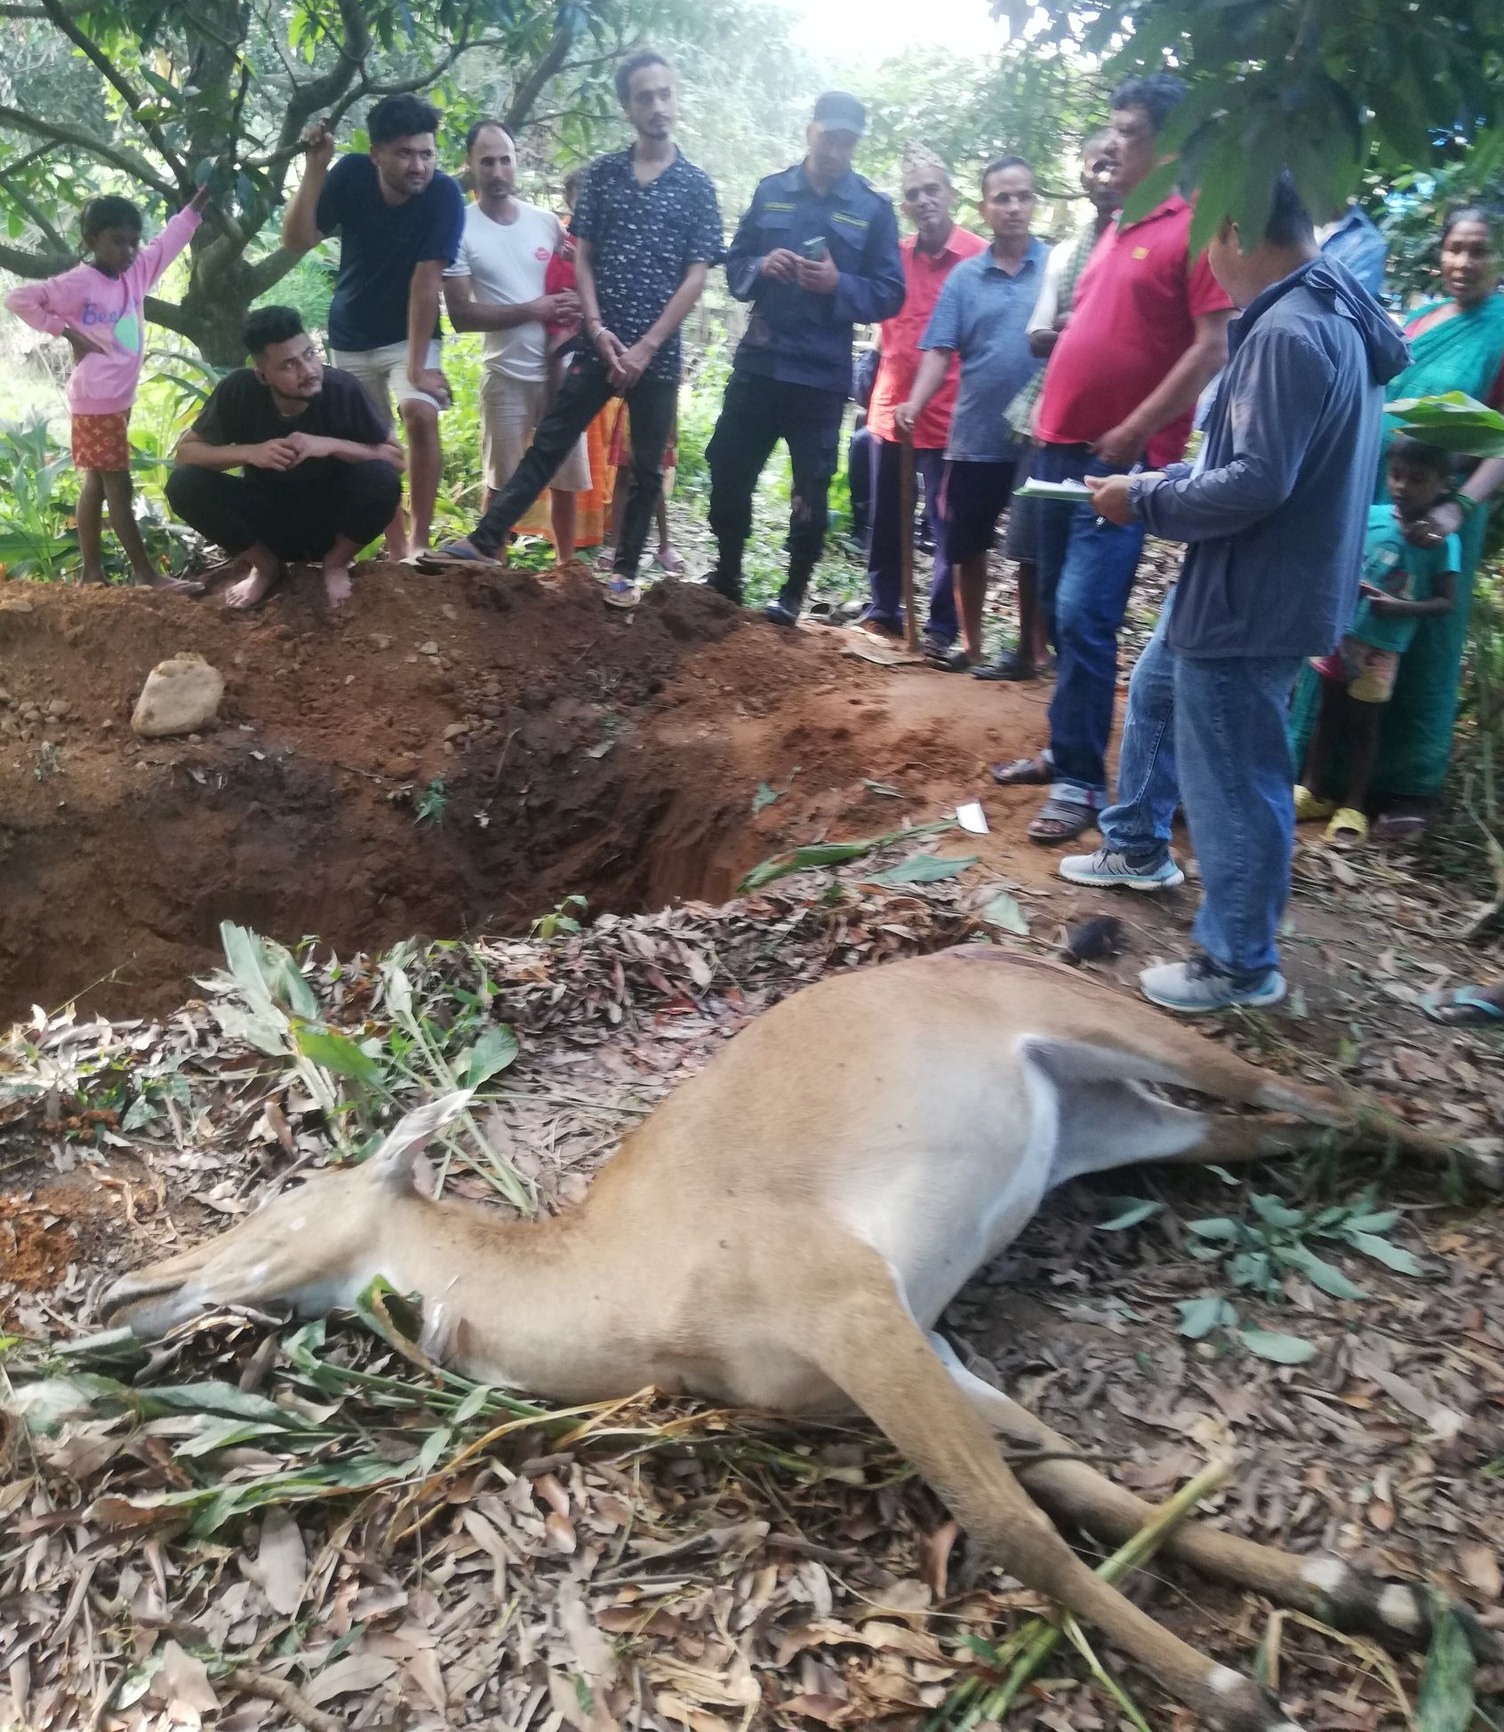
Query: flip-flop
[
  {"x": 451, "y": 554},
  {"x": 1059, "y": 821},
  {"x": 951, "y": 660},
  {"x": 673, "y": 564},
  {"x": 1035, "y": 772},
  {"x": 1463, "y": 1007},
  {"x": 1348, "y": 828},
  {"x": 1310, "y": 806}
]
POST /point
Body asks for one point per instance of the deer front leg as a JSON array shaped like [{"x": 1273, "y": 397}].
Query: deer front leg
[
  {"x": 856, "y": 1327},
  {"x": 1321, "y": 1584}
]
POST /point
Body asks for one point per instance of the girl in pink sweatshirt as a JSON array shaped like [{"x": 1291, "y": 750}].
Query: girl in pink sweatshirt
[{"x": 98, "y": 307}]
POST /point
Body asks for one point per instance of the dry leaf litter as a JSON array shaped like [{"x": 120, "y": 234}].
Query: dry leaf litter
[{"x": 256, "y": 1525}]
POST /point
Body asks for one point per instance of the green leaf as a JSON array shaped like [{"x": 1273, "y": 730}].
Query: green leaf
[
  {"x": 924, "y": 869},
  {"x": 1282, "y": 1349},
  {"x": 1379, "y": 1223},
  {"x": 802, "y": 859},
  {"x": 491, "y": 1054},
  {"x": 1394, "y": 1257},
  {"x": 1003, "y": 911},
  {"x": 1215, "y": 1227},
  {"x": 1273, "y": 1212},
  {"x": 1445, "y": 1702},
  {"x": 1130, "y": 1217},
  {"x": 1198, "y": 1317},
  {"x": 338, "y": 1053},
  {"x": 1250, "y": 1269},
  {"x": 1323, "y": 1275},
  {"x": 212, "y": 1396}
]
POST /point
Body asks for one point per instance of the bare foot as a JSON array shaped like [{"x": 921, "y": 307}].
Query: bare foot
[
  {"x": 253, "y": 590},
  {"x": 396, "y": 547},
  {"x": 93, "y": 574},
  {"x": 337, "y": 584}
]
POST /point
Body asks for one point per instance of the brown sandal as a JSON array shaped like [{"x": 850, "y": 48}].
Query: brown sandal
[
  {"x": 1035, "y": 772},
  {"x": 1060, "y": 821}
]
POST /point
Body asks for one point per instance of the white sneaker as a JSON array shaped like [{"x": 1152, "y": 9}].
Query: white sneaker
[
  {"x": 1198, "y": 985},
  {"x": 1106, "y": 867}
]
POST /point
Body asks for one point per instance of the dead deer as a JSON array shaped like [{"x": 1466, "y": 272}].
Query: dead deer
[{"x": 784, "y": 1232}]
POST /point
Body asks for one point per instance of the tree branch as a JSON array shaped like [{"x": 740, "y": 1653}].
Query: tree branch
[
  {"x": 127, "y": 161},
  {"x": 531, "y": 87},
  {"x": 34, "y": 266},
  {"x": 266, "y": 273},
  {"x": 127, "y": 92},
  {"x": 170, "y": 315},
  {"x": 39, "y": 217}
]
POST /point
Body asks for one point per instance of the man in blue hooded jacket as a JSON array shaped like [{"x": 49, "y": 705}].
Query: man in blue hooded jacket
[
  {"x": 816, "y": 253},
  {"x": 1274, "y": 514}
]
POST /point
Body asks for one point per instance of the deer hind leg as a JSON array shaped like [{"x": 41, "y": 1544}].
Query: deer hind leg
[
  {"x": 854, "y": 1325},
  {"x": 1321, "y": 1585}
]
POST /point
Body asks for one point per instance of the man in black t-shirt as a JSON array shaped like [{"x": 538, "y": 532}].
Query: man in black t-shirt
[
  {"x": 322, "y": 473},
  {"x": 399, "y": 223}
]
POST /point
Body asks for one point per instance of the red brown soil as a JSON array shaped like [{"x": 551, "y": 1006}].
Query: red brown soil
[{"x": 580, "y": 751}]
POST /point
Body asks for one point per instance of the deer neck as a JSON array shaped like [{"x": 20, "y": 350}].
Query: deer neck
[{"x": 535, "y": 1305}]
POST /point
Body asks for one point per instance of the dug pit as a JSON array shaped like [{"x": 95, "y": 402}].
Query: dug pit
[{"x": 438, "y": 758}]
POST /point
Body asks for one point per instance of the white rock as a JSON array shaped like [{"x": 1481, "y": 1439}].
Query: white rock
[{"x": 180, "y": 696}]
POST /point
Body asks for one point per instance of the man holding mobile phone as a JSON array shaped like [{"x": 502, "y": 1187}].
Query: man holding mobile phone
[{"x": 816, "y": 253}]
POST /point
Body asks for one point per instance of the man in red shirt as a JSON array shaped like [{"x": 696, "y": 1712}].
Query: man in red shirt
[
  {"x": 935, "y": 248},
  {"x": 1148, "y": 332}
]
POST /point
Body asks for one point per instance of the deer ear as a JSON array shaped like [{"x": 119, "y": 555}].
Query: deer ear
[{"x": 392, "y": 1164}]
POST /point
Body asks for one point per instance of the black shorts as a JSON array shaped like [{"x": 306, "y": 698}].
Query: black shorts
[
  {"x": 975, "y": 495},
  {"x": 1022, "y": 528}
]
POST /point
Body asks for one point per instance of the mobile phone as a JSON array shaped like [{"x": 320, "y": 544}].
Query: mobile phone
[{"x": 814, "y": 248}]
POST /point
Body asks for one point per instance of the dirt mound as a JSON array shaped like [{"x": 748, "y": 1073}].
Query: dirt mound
[{"x": 440, "y": 757}]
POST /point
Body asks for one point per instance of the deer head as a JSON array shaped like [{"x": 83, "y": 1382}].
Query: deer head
[{"x": 308, "y": 1249}]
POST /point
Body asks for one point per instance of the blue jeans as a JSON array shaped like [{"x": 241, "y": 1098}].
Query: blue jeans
[
  {"x": 1086, "y": 571},
  {"x": 1217, "y": 724},
  {"x": 1137, "y": 824}
]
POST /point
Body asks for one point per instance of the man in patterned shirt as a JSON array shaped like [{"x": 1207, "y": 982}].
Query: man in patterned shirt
[{"x": 648, "y": 229}]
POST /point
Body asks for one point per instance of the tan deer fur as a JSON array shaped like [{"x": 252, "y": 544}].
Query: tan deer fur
[{"x": 784, "y": 1231}]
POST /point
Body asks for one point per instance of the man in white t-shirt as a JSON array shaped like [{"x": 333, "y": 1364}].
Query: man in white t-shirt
[{"x": 497, "y": 285}]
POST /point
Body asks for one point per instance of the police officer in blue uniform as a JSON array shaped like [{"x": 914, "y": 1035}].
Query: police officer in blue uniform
[{"x": 815, "y": 254}]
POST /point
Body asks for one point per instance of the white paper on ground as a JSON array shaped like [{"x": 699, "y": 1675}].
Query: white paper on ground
[{"x": 971, "y": 817}]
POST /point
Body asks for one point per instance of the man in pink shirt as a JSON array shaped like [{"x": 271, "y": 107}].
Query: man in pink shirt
[
  {"x": 929, "y": 255},
  {"x": 1148, "y": 332}
]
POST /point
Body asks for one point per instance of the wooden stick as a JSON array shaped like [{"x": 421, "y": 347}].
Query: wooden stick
[
  {"x": 288, "y": 1697},
  {"x": 906, "y": 490}
]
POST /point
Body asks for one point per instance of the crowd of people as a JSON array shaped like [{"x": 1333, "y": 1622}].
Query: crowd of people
[{"x": 1320, "y": 613}]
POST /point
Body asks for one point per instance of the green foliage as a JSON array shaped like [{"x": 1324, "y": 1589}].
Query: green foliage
[
  {"x": 435, "y": 1038},
  {"x": 1322, "y": 85},
  {"x": 155, "y": 97},
  {"x": 1256, "y": 1253},
  {"x": 559, "y": 919},
  {"x": 1035, "y": 101},
  {"x": 432, "y": 803},
  {"x": 38, "y": 535}
]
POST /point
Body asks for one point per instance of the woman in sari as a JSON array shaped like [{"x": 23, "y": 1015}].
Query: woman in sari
[{"x": 1456, "y": 344}]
